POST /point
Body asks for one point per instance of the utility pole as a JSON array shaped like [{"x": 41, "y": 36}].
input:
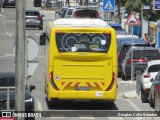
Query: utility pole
[
  {"x": 141, "y": 19},
  {"x": 20, "y": 57}
]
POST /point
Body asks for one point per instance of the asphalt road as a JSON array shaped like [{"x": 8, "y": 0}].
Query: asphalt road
[{"x": 75, "y": 109}]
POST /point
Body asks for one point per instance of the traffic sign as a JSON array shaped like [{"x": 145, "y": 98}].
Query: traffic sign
[
  {"x": 156, "y": 4},
  {"x": 32, "y": 48},
  {"x": 108, "y": 5},
  {"x": 132, "y": 20},
  {"x": 31, "y": 67}
]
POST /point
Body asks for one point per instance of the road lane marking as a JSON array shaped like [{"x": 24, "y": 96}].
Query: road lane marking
[
  {"x": 86, "y": 117},
  {"x": 37, "y": 34},
  {"x": 135, "y": 107},
  {"x": 115, "y": 118},
  {"x": 13, "y": 55},
  {"x": 60, "y": 116},
  {"x": 39, "y": 105},
  {"x": 9, "y": 55}
]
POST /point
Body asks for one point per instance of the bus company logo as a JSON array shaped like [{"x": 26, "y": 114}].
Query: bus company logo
[{"x": 6, "y": 114}]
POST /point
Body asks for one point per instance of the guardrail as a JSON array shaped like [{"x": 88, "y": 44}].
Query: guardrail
[{"x": 8, "y": 95}]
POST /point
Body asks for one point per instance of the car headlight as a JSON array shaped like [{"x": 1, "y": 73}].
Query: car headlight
[{"x": 29, "y": 100}]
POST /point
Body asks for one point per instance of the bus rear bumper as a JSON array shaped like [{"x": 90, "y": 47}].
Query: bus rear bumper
[{"x": 82, "y": 95}]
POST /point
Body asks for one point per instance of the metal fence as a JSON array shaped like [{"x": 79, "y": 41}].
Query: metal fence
[{"x": 8, "y": 96}]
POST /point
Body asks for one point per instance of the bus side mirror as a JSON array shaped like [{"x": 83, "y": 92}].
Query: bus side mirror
[{"x": 42, "y": 38}]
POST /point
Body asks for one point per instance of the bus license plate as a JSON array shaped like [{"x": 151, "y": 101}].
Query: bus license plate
[{"x": 82, "y": 88}]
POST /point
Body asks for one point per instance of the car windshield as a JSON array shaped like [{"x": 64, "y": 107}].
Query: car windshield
[
  {"x": 86, "y": 42},
  {"x": 32, "y": 13},
  {"x": 146, "y": 54},
  {"x": 154, "y": 68},
  {"x": 7, "y": 81}
]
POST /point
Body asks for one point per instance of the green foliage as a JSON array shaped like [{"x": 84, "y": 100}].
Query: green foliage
[{"x": 133, "y": 6}]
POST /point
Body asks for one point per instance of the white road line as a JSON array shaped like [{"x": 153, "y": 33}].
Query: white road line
[
  {"x": 115, "y": 118},
  {"x": 39, "y": 106},
  {"x": 89, "y": 117},
  {"x": 37, "y": 34},
  {"x": 13, "y": 55},
  {"x": 126, "y": 82},
  {"x": 9, "y": 55},
  {"x": 40, "y": 56},
  {"x": 60, "y": 116},
  {"x": 135, "y": 107}
]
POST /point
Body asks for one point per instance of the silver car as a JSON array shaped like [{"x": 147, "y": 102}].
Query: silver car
[
  {"x": 141, "y": 56},
  {"x": 34, "y": 19}
]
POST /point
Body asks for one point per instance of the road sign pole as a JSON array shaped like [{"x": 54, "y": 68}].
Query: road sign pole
[
  {"x": 132, "y": 77},
  {"x": 108, "y": 16},
  {"x": 20, "y": 56}
]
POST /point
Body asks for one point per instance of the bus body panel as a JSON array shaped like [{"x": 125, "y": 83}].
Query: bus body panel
[{"x": 93, "y": 71}]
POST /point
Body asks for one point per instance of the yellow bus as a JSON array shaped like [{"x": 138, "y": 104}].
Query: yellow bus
[{"x": 80, "y": 60}]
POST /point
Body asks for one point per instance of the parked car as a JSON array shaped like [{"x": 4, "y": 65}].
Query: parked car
[
  {"x": 82, "y": 12},
  {"x": 34, "y": 19},
  {"x": 141, "y": 55},
  {"x": 123, "y": 46},
  {"x": 86, "y": 12},
  {"x": 93, "y": 2},
  {"x": 8, "y": 80},
  {"x": 154, "y": 93},
  {"x": 52, "y": 3},
  {"x": 125, "y": 35},
  {"x": 63, "y": 11},
  {"x": 37, "y": 3},
  {"x": 69, "y": 12},
  {"x": 8, "y": 3},
  {"x": 118, "y": 28},
  {"x": 153, "y": 67}
]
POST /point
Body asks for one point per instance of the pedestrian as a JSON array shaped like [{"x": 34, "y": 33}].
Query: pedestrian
[{"x": 146, "y": 38}]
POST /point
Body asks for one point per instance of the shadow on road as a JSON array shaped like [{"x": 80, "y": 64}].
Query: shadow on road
[{"x": 81, "y": 105}]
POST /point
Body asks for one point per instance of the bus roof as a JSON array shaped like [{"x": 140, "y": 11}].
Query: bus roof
[{"x": 80, "y": 22}]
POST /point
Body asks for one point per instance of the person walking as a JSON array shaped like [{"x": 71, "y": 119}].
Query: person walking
[{"x": 146, "y": 37}]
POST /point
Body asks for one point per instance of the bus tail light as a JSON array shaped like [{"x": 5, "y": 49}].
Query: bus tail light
[
  {"x": 112, "y": 82},
  {"x": 107, "y": 32},
  {"x": 52, "y": 81},
  {"x": 59, "y": 31}
]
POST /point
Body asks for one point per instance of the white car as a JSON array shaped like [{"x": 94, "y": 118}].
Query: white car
[{"x": 153, "y": 67}]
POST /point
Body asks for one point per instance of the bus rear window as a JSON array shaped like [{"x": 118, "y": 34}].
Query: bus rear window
[{"x": 86, "y": 42}]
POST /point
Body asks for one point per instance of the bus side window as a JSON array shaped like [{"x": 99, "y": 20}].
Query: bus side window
[{"x": 42, "y": 38}]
